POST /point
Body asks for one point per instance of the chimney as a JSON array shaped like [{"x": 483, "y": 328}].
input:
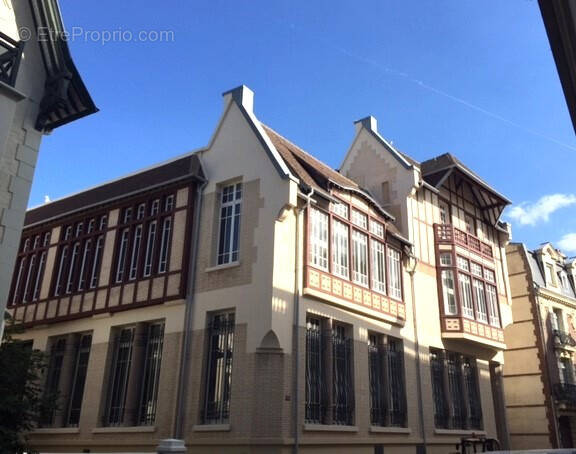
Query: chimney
[
  {"x": 368, "y": 122},
  {"x": 242, "y": 95}
]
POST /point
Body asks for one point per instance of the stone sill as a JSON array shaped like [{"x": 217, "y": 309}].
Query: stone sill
[
  {"x": 459, "y": 432},
  {"x": 55, "y": 430},
  {"x": 224, "y": 266},
  {"x": 123, "y": 429},
  {"x": 11, "y": 92},
  {"x": 391, "y": 430},
  {"x": 329, "y": 428},
  {"x": 211, "y": 428}
]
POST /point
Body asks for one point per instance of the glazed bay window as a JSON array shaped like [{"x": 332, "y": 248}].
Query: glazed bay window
[
  {"x": 475, "y": 296},
  {"x": 144, "y": 238},
  {"x": 218, "y": 369},
  {"x": 65, "y": 379},
  {"x": 354, "y": 249},
  {"x": 455, "y": 390},
  {"x": 387, "y": 382},
  {"x": 329, "y": 386},
  {"x": 229, "y": 224},
  {"x": 134, "y": 375}
]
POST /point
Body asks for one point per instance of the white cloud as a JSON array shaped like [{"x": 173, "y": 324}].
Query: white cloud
[
  {"x": 531, "y": 213},
  {"x": 568, "y": 242}
]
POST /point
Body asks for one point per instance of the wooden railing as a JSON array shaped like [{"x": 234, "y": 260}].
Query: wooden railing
[
  {"x": 10, "y": 56},
  {"x": 446, "y": 233}
]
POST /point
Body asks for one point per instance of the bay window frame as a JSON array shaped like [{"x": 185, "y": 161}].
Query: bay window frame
[
  {"x": 490, "y": 319},
  {"x": 333, "y": 216}
]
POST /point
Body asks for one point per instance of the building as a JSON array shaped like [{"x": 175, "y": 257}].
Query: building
[
  {"x": 40, "y": 90},
  {"x": 539, "y": 375},
  {"x": 559, "y": 20},
  {"x": 352, "y": 311}
]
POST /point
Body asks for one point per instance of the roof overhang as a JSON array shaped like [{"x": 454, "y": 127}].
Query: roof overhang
[
  {"x": 559, "y": 18},
  {"x": 488, "y": 199},
  {"x": 66, "y": 98}
]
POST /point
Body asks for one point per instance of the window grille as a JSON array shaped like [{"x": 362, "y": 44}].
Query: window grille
[
  {"x": 473, "y": 394},
  {"x": 53, "y": 374},
  {"x": 315, "y": 386},
  {"x": 151, "y": 376},
  {"x": 343, "y": 389},
  {"x": 396, "y": 385},
  {"x": 219, "y": 369},
  {"x": 454, "y": 371},
  {"x": 79, "y": 379},
  {"x": 120, "y": 373},
  {"x": 441, "y": 415}
]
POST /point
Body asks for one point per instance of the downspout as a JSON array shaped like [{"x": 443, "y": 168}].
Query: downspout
[
  {"x": 295, "y": 328},
  {"x": 412, "y": 270},
  {"x": 181, "y": 398}
]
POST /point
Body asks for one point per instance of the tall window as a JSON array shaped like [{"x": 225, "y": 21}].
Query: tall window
[
  {"x": 30, "y": 267},
  {"x": 477, "y": 294},
  {"x": 340, "y": 249},
  {"x": 360, "y": 258},
  {"x": 134, "y": 377},
  {"x": 329, "y": 366},
  {"x": 455, "y": 390},
  {"x": 220, "y": 348},
  {"x": 387, "y": 384},
  {"x": 230, "y": 211},
  {"x": 354, "y": 244},
  {"x": 65, "y": 378},
  {"x": 78, "y": 262},
  {"x": 319, "y": 239},
  {"x": 395, "y": 270},
  {"x": 144, "y": 238}
]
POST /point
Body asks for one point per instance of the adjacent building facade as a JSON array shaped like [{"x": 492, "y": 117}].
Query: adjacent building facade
[
  {"x": 539, "y": 376},
  {"x": 248, "y": 298},
  {"x": 40, "y": 90}
]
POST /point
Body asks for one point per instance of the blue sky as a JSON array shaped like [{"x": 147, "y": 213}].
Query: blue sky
[{"x": 474, "y": 78}]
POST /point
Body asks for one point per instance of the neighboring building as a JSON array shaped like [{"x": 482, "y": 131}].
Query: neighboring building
[
  {"x": 40, "y": 90},
  {"x": 353, "y": 311},
  {"x": 539, "y": 380},
  {"x": 559, "y": 17}
]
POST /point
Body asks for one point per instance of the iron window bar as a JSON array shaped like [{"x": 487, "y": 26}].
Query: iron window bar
[
  {"x": 563, "y": 338},
  {"x": 79, "y": 379},
  {"x": 343, "y": 389},
  {"x": 565, "y": 392}
]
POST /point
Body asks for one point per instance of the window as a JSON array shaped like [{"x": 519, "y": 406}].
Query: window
[
  {"x": 359, "y": 258},
  {"x": 387, "y": 384},
  {"x": 30, "y": 267},
  {"x": 477, "y": 296},
  {"x": 340, "y": 249},
  {"x": 65, "y": 379},
  {"x": 378, "y": 266},
  {"x": 230, "y": 206},
  {"x": 550, "y": 275},
  {"x": 323, "y": 406},
  {"x": 566, "y": 369},
  {"x": 470, "y": 224},
  {"x": 357, "y": 255},
  {"x": 450, "y": 307},
  {"x": 144, "y": 241},
  {"x": 456, "y": 393},
  {"x": 135, "y": 365},
  {"x": 444, "y": 212},
  {"x": 318, "y": 239},
  {"x": 220, "y": 347},
  {"x": 395, "y": 276}
]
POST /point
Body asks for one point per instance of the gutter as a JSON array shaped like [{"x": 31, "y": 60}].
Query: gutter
[{"x": 181, "y": 398}]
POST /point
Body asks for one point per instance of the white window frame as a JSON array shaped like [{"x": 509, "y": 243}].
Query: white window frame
[
  {"x": 230, "y": 212},
  {"x": 359, "y": 258},
  {"x": 449, "y": 292},
  {"x": 318, "y": 239},
  {"x": 378, "y": 266},
  {"x": 340, "y": 249},
  {"x": 394, "y": 273}
]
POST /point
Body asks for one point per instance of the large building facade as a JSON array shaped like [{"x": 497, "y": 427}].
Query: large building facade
[
  {"x": 539, "y": 376},
  {"x": 283, "y": 304},
  {"x": 40, "y": 90}
]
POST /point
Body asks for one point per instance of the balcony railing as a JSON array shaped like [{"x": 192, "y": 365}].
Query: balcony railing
[
  {"x": 446, "y": 233},
  {"x": 10, "y": 56},
  {"x": 563, "y": 339},
  {"x": 566, "y": 393}
]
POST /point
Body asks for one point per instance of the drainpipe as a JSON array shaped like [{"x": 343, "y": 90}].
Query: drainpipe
[
  {"x": 181, "y": 398},
  {"x": 412, "y": 270},
  {"x": 295, "y": 327}
]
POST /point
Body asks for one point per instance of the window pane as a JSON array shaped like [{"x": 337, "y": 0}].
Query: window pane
[
  {"x": 340, "y": 209},
  {"x": 360, "y": 258},
  {"x": 394, "y": 273},
  {"x": 463, "y": 264},
  {"x": 340, "y": 249},
  {"x": 359, "y": 219},
  {"x": 378, "y": 266},
  {"x": 492, "y": 305},
  {"x": 229, "y": 231},
  {"x": 446, "y": 259},
  {"x": 466, "y": 296},
  {"x": 480, "y": 300},
  {"x": 448, "y": 292},
  {"x": 376, "y": 228},
  {"x": 318, "y": 239}
]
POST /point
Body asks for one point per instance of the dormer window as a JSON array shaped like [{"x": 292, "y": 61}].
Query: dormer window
[{"x": 550, "y": 275}]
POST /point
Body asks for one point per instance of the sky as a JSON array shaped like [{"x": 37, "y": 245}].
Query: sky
[{"x": 473, "y": 78}]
